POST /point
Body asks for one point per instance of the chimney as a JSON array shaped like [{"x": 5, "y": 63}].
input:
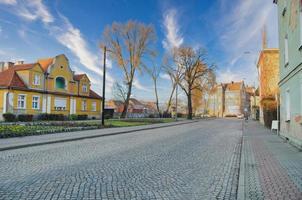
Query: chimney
[
  {"x": 8, "y": 65},
  {"x": 20, "y": 62}
]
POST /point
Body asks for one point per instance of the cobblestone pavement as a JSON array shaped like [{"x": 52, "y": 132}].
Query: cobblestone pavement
[
  {"x": 192, "y": 161},
  {"x": 272, "y": 168}
]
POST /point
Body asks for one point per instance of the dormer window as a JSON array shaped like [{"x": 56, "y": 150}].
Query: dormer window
[
  {"x": 84, "y": 88},
  {"x": 37, "y": 79},
  {"x": 60, "y": 83}
]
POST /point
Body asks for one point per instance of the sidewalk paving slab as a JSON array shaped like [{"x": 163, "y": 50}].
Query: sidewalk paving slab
[
  {"x": 270, "y": 167},
  {"x": 28, "y": 141}
]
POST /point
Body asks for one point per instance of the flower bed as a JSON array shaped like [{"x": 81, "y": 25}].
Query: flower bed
[{"x": 7, "y": 131}]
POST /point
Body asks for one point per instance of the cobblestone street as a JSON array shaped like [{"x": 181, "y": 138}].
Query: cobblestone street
[{"x": 191, "y": 161}]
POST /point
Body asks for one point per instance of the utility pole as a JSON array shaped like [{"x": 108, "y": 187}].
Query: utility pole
[{"x": 104, "y": 86}]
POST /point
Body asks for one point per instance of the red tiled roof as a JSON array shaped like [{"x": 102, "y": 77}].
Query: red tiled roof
[
  {"x": 234, "y": 86},
  {"x": 9, "y": 78},
  {"x": 93, "y": 94},
  {"x": 23, "y": 66},
  {"x": 45, "y": 63},
  {"x": 78, "y": 77}
]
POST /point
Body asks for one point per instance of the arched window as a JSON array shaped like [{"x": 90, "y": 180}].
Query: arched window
[{"x": 60, "y": 83}]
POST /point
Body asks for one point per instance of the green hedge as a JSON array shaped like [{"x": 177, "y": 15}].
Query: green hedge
[
  {"x": 25, "y": 118},
  {"x": 51, "y": 117},
  {"x": 9, "y": 117},
  {"x": 82, "y": 117}
]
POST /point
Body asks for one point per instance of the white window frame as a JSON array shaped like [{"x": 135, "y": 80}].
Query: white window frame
[
  {"x": 84, "y": 88},
  {"x": 19, "y": 100},
  {"x": 84, "y": 105},
  {"x": 287, "y": 105},
  {"x": 63, "y": 108},
  {"x": 37, "y": 79},
  {"x": 286, "y": 53},
  {"x": 36, "y": 101},
  {"x": 93, "y": 106}
]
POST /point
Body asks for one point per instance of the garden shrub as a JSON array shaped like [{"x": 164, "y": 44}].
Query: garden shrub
[
  {"x": 73, "y": 117},
  {"x": 82, "y": 117},
  {"x": 51, "y": 117},
  {"x": 25, "y": 118},
  {"x": 9, "y": 117}
]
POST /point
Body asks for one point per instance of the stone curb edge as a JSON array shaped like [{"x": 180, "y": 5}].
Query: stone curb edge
[
  {"x": 241, "y": 184},
  {"x": 92, "y": 136}
]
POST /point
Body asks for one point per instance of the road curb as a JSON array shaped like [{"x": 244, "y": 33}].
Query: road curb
[
  {"x": 92, "y": 136},
  {"x": 241, "y": 184}
]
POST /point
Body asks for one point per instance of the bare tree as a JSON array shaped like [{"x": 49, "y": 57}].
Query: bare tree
[
  {"x": 128, "y": 44},
  {"x": 119, "y": 91},
  {"x": 195, "y": 73},
  {"x": 174, "y": 74},
  {"x": 154, "y": 73}
]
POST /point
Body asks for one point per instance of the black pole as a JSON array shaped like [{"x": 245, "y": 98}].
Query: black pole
[{"x": 104, "y": 80}]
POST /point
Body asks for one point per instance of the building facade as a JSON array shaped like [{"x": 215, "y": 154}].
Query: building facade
[
  {"x": 290, "y": 43},
  {"x": 216, "y": 101},
  {"x": 227, "y": 100},
  {"x": 268, "y": 74},
  {"x": 47, "y": 86},
  {"x": 235, "y": 98}
]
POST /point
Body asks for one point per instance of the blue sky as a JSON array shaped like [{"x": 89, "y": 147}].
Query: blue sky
[{"x": 32, "y": 29}]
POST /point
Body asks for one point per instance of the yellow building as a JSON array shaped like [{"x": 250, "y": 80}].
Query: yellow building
[
  {"x": 268, "y": 71},
  {"x": 47, "y": 86}
]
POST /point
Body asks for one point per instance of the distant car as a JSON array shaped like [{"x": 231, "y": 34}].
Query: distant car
[{"x": 240, "y": 116}]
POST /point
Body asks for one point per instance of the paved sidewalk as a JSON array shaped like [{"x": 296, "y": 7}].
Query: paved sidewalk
[
  {"x": 21, "y": 142},
  {"x": 270, "y": 168}
]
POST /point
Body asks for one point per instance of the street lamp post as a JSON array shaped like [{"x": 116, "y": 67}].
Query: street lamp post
[{"x": 104, "y": 86}]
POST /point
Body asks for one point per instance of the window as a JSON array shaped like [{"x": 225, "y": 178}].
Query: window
[
  {"x": 22, "y": 101},
  {"x": 93, "y": 106},
  {"x": 60, "y": 83},
  {"x": 60, "y": 103},
  {"x": 287, "y": 104},
  {"x": 84, "y": 88},
  {"x": 286, "y": 50},
  {"x": 84, "y": 105},
  {"x": 36, "y": 102},
  {"x": 37, "y": 79}
]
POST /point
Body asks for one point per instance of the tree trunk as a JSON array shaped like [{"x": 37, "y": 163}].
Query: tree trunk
[
  {"x": 156, "y": 96},
  {"x": 170, "y": 99},
  {"x": 190, "y": 110},
  {"x": 126, "y": 103}
]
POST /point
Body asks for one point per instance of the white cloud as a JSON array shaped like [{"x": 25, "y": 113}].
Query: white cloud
[
  {"x": 66, "y": 34},
  {"x": 173, "y": 36},
  {"x": 242, "y": 28},
  {"x": 30, "y": 10},
  {"x": 71, "y": 37},
  {"x": 165, "y": 77},
  {"x": 139, "y": 86},
  {"x": 225, "y": 76},
  {"x": 8, "y": 2}
]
